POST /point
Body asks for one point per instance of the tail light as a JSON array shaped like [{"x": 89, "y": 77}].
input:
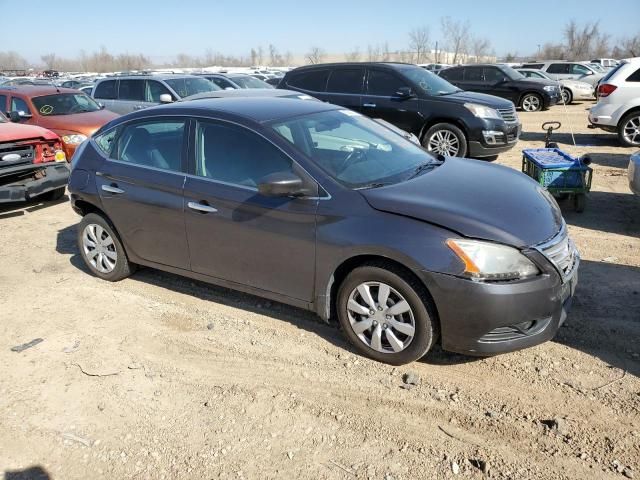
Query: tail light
[{"x": 606, "y": 89}]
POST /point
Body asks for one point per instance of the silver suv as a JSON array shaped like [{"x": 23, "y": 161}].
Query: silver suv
[
  {"x": 125, "y": 94},
  {"x": 561, "y": 70}
]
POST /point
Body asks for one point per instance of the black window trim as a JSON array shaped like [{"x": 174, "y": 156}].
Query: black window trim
[
  {"x": 313, "y": 91},
  {"x": 391, "y": 72},
  {"x": 192, "y": 157},
  {"x": 363, "y": 85}
]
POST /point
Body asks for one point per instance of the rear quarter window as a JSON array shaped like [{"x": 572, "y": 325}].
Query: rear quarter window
[
  {"x": 315, "y": 80},
  {"x": 558, "y": 68},
  {"x": 106, "y": 90},
  {"x": 347, "y": 80},
  {"x": 634, "y": 77}
]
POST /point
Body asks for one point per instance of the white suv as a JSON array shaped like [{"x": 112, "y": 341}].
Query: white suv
[{"x": 618, "y": 107}]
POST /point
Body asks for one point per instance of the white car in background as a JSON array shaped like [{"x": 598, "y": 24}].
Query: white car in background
[
  {"x": 618, "y": 107},
  {"x": 571, "y": 89},
  {"x": 606, "y": 62},
  {"x": 562, "y": 70}
]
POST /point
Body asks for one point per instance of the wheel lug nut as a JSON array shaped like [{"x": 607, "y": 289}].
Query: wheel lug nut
[
  {"x": 380, "y": 308},
  {"x": 388, "y": 317},
  {"x": 375, "y": 324},
  {"x": 371, "y": 312}
]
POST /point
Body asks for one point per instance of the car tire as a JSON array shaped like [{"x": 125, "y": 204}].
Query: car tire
[
  {"x": 102, "y": 250},
  {"x": 531, "y": 102},
  {"x": 629, "y": 129},
  {"x": 412, "y": 332},
  {"x": 445, "y": 137},
  {"x": 54, "y": 195},
  {"x": 567, "y": 96},
  {"x": 579, "y": 202}
]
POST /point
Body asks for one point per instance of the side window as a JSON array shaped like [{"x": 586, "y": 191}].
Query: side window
[
  {"x": 453, "y": 74},
  {"x": 493, "y": 75},
  {"x": 152, "y": 144},
  {"x": 221, "y": 82},
  {"x": 346, "y": 80},
  {"x": 315, "y": 80},
  {"x": 473, "y": 74},
  {"x": 634, "y": 77},
  {"x": 235, "y": 155},
  {"x": 105, "y": 140},
  {"x": 558, "y": 68},
  {"x": 154, "y": 90},
  {"x": 578, "y": 69},
  {"x": 3, "y": 103},
  {"x": 106, "y": 90},
  {"x": 131, "y": 90},
  {"x": 537, "y": 66},
  {"x": 383, "y": 83},
  {"x": 19, "y": 105}
]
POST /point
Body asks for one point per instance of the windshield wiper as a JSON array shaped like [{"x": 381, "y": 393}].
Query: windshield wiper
[
  {"x": 420, "y": 168},
  {"x": 372, "y": 185}
]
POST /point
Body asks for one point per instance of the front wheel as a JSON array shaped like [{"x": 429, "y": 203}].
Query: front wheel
[
  {"x": 567, "y": 96},
  {"x": 445, "y": 139},
  {"x": 629, "y": 130},
  {"x": 531, "y": 102},
  {"x": 383, "y": 315}
]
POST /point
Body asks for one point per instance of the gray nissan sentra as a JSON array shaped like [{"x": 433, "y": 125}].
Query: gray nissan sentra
[{"x": 316, "y": 206}]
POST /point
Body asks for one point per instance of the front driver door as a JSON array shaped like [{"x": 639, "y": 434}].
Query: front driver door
[{"x": 238, "y": 235}]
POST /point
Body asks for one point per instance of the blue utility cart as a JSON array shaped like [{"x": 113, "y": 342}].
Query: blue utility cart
[{"x": 560, "y": 173}]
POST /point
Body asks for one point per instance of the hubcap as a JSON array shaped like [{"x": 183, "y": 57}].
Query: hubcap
[
  {"x": 381, "y": 317},
  {"x": 444, "y": 142},
  {"x": 565, "y": 96},
  {"x": 531, "y": 103},
  {"x": 98, "y": 248},
  {"x": 631, "y": 131}
]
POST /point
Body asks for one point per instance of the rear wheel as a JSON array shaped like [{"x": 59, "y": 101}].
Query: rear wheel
[
  {"x": 445, "y": 139},
  {"x": 102, "y": 250},
  {"x": 567, "y": 96},
  {"x": 384, "y": 316},
  {"x": 629, "y": 130},
  {"x": 531, "y": 102}
]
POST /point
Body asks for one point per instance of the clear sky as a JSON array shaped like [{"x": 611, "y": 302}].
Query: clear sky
[{"x": 161, "y": 29}]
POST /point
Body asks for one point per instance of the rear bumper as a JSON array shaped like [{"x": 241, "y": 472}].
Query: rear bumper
[
  {"x": 490, "y": 318},
  {"x": 28, "y": 181}
]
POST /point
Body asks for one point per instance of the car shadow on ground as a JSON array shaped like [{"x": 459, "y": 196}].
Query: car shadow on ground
[
  {"x": 581, "y": 139},
  {"x": 610, "y": 212},
  {"x": 31, "y": 473},
  {"x": 604, "y": 321},
  {"x": 616, "y": 160},
  {"x": 17, "y": 209}
]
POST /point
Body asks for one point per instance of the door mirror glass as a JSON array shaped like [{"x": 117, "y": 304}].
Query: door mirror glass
[
  {"x": 165, "y": 98},
  {"x": 404, "y": 92},
  {"x": 281, "y": 184},
  {"x": 16, "y": 116},
  {"x": 101, "y": 105}
]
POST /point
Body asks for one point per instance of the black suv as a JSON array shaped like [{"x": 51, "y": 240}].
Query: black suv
[
  {"x": 530, "y": 94},
  {"x": 447, "y": 120}
]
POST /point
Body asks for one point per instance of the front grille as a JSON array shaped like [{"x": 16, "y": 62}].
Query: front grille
[
  {"x": 26, "y": 153},
  {"x": 508, "y": 114},
  {"x": 561, "y": 252}
]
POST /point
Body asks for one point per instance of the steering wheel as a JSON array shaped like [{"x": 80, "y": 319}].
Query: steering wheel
[
  {"x": 356, "y": 152},
  {"x": 76, "y": 108}
]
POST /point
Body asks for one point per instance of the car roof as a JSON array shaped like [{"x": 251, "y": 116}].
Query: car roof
[
  {"x": 243, "y": 93},
  {"x": 357, "y": 64},
  {"x": 257, "y": 109},
  {"x": 38, "y": 90},
  {"x": 159, "y": 76}
]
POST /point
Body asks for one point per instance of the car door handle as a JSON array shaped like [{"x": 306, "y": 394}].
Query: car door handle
[
  {"x": 369, "y": 105},
  {"x": 201, "y": 207},
  {"x": 112, "y": 189}
]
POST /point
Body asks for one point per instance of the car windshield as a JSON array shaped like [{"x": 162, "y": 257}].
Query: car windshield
[
  {"x": 430, "y": 83},
  {"x": 187, "y": 86},
  {"x": 64, "y": 104},
  {"x": 354, "y": 150},
  {"x": 249, "y": 82},
  {"x": 597, "y": 68},
  {"x": 511, "y": 73}
]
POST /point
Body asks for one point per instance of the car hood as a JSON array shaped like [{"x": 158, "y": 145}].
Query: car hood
[
  {"x": 86, "y": 122},
  {"x": 11, "y": 132},
  {"x": 476, "y": 200},
  {"x": 480, "y": 98},
  {"x": 536, "y": 82}
]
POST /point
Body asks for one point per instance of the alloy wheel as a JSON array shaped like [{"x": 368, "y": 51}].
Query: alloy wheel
[
  {"x": 631, "y": 130},
  {"x": 565, "y": 97},
  {"x": 381, "y": 317},
  {"x": 98, "y": 248},
  {"x": 531, "y": 103},
  {"x": 444, "y": 142}
]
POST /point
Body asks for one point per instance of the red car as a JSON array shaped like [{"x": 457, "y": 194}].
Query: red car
[
  {"x": 73, "y": 115},
  {"x": 32, "y": 163}
]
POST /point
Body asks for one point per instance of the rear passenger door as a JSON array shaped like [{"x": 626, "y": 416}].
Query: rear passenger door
[
  {"x": 131, "y": 96},
  {"x": 344, "y": 87},
  {"x": 106, "y": 92},
  {"x": 381, "y": 100},
  {"x": 474, "y": 80},
  {"x": 141, "y": 187}
]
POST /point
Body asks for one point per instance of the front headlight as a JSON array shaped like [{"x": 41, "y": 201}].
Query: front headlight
[
  {"x": 550, "y": 88},
  {"x": 491, "y": 261},
  {"x": 74, "y": 139},
  {"x": 482, "y": 111}
]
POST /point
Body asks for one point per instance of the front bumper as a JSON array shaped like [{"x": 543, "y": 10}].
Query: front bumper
[
  {"x": 493, "y": 137},
  {"x": 481, "y": 318},
  {"x": 551, "y": 98},
  {"x": 24, "y": 182}
]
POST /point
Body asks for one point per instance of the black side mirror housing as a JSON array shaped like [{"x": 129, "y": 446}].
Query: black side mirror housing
[
  {"x": 281, "y": 184},
  {"x": 14, "y": 117},
  {"x": 404, "y": 92}
]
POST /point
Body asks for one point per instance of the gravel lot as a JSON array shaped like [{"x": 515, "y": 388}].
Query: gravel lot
[{"x": 162, "y": 377}]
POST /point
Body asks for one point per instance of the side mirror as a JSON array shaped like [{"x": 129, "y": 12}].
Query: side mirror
[
  {"x": 17, "y": 116},
  {"x": 166, "y": 98},
  {"x": 281, "y": 184},
  {"x": 590, "y": 72},
  {"x": 101, "y": 105},
  {"x": 13, "y": 116},
  {"x": 229, "y": 88},
  {"x": 404, "y": 92}
]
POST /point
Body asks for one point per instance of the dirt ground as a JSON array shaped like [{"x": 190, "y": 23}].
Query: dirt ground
[{"x": 162, "y": 377}]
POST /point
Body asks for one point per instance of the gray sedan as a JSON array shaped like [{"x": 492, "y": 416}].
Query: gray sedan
[{"x": 571, "y": 89}]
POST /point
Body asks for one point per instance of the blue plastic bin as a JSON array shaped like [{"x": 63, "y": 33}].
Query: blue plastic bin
[{"x": 552, "y": 168}]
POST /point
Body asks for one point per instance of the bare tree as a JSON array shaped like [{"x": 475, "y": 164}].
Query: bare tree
[
  {"x": 254, "y": 56},
  {"x": 584, "y": 41},
  {"x": 373, "y": 53},
  {"x": 553, "y": 51},
  {"x": 353, "y": 55},
  {"x": 419, "y": 43},
  {"x": 511, "y": 57},
  {"x": 49, "y": 60},
  {"x": 386, "y": 54},
  {"x": 274, "y": 57},
  {"x": 315, "y": 55},
  {"x": 260, "y": 56},
  {"x": 629, "y": 47},
  {"x": 286, "y": 58},
  {"x": 12, "y": 61},
  {"x": 480, "y": 48},
  {"x": 456, "y": 36}
]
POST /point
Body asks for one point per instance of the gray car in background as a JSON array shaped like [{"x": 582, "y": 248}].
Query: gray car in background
[
  {"x": 127, "y": 94},
  {"x": 561, "y": 70}
]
